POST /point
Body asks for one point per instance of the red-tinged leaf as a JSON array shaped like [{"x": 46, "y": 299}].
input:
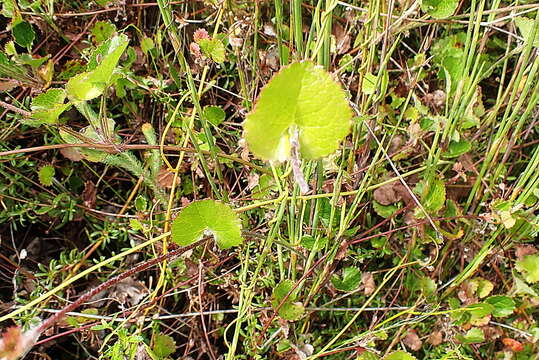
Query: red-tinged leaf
[
  {"x": 15, "y": 344},
  {"x": 512, "y": 344}
]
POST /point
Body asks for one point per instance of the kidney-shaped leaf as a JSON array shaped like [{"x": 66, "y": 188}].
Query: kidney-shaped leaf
[
  {"x": 439, "y": 9},
  {"x": 210, "y": 216},
  {"x": 91, "y": 84},
  {"x": 301, "y": 97}
]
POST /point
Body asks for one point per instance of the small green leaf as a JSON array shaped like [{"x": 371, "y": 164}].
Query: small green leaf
[
  {"x": 147, "y": 44},
  {"x": 207, "y": 215},
  {"x": 213, "y": 48},
  {"x": 310, "y": 243},
  {"x": 457, "y": 148},
  {"x": 349, "y": 281},
  {"x": 23, "y": 33},
  {"x": 47, "y": 107},
  {"x": 281, "y": 291},
  {"x": 433, "y": 198},
  {"x": 291, "y": 311},
  {"x": 91, "y": 84},
  {"x": 385, "y": 211},
  {"x": 439, "y": 9},
  {"x": 503, "y": 305},
  {"x": 46, "y": 174},
  {"x": 214, "y": 114},
  {"x": 479, "y": 310},
  {"x": 473, "y": 336},
  {"x": 529, "y": 267},
  {"x": 399, "y": 355},
  {"x": 525, "y": 26},
  {"x": 163, "y": 346},
  {"x": 103, "y": 30},
  {"x": 302, "y": 97},
  {"x": 141, "y": 204}
]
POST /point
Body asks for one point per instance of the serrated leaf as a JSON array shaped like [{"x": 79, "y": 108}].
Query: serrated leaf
[
  {"x": 439, "y": 9},
  {"x": 432, "y": 198},
  {"x": 529, "y": 267},
  {"x": 214, "y": 114},
  {"x": 213, "y": 49},
  {"x": 399, "y": 355},
  {"x": 204, "y": 216},
  {"x": 47, "y": 107},
  {"x": 46, "y": 174},
  {"x": 349, "y": 281},
  {"x": 302, "y": 97},
  {"x": 23, "y": 33},
  {"x": 91, "y": 84},
  {"x": 526, "y": 26},
  {"x": 163, "y": 346},
  {"x": 503, "y": 305}
]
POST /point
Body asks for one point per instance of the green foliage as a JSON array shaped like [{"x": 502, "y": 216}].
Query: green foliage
[
  {"x": 439, "y": 9},
  {"x": 46, "y": 174},
  {"x": 214, "y": 114},
  {"x": 47, "y": 107},
  {"x": 290, "y": 310},
  {"x": 103, "y": 30},
  {"x": 432, "y": 197},
  {"x": 457, "y": 148},
  {"x": 349, "y": 281},
  {"x": 213, "y": 49},
  {"x": 503, "y": 305},
  {"x": 473, "y": 336},
  {"x": 204, "y": 216},
  {"x": 529, "y": 267},
  {"x": 399, "y": 355},
  {"x": 304, "y": 98},
  {"x": 91, "y": 84},
  {"x": 526, "y": 27},
  {"x": 164, "y": 346},
  {"x": 23, "y": 33}
]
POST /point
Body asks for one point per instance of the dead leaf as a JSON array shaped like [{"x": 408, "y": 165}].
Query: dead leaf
[
  {"x": 252, "y": 180},
  {"x": 435, "y": 338},
  {"x": 386, "y": 194},
  {"x": 412, "y": 340},
  {"x": 89, "y": 195},
  {"x": 342, "y": 38},
  {"x": 368, "y": 283},
  {"x": 513, "y": 344},
  {"x": 523, "y": 250},
  {"x": 165, "y": 178},
  {"x": 71, "y": 153}
]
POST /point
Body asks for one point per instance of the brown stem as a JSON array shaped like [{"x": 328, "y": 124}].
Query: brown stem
[{"x": 107, "y": 284}]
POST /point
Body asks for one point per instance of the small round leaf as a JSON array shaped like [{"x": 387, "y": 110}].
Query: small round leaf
[{"x": 207, "y": 215}]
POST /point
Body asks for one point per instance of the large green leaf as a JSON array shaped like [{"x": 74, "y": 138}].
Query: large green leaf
[
  {"x": 207, "y": 215},
  {"x": 301, "y": 97},
  {"x": 47, "y": 107},
  {"x": 91, "y": 84}
]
